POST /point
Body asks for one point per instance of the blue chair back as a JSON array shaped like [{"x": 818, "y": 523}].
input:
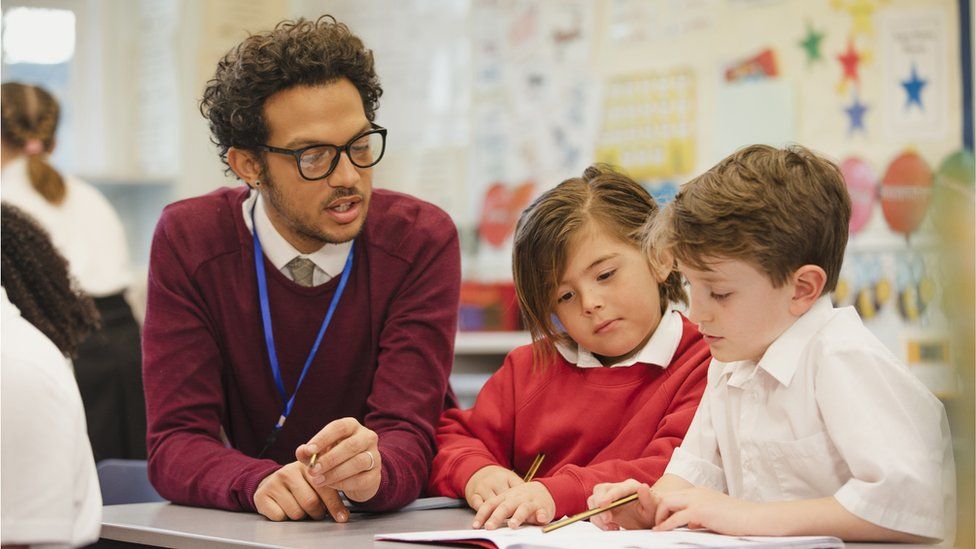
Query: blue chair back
[{"x": 125, "y": 481}]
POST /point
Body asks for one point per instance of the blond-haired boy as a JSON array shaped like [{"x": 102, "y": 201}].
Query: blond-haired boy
[{"x": 808, "y": 425}]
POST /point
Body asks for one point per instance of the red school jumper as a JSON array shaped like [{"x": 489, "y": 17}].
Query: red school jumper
[{"x": 595, "y": 425}]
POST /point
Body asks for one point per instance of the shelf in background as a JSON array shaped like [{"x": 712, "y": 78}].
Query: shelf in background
[
  {"x": 467, "y": 386},
  {"x": 479, "y": 343}
]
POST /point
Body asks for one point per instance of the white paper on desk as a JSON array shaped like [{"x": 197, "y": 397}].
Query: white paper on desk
[{"x": 583, "y": 535}]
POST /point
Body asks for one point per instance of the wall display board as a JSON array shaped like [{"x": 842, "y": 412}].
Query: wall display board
[
  {"x": 489, "y": 101},
  {"x": 648, "y": 124}
]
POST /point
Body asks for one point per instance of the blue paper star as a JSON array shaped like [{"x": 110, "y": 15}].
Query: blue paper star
[
  {"x": 913, "y": 87},
  {"x": 856, "y": 113}
]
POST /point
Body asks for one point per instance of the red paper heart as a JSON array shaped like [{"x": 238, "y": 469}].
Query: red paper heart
[{"x": 502, "y": 206}]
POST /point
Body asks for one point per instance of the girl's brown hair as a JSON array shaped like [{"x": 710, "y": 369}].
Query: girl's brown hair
[
  {"x": 36, "y": 280},
  {"x": 29, "y": 114},
  {"x": 545, "y": 229}
]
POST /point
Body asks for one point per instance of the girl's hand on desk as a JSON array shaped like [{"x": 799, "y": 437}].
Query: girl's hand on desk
[
  {"x": 289, "y": 494},
  {"x": 705, "y": 508},
  {"x": 527, "y": 503},
  {"x": 487, "y": 483},
  {"x": 633, "y": 516}
]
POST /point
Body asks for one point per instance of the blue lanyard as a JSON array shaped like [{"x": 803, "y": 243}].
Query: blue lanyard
[{"x": 269, "y": 335}]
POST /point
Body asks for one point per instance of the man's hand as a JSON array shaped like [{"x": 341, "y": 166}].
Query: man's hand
[
  {"x": 348, "y": 459},
  {"x": 704, "y": 508},
  {"x": 488, "y": 482},
  {"x": 527, "y": 503},
  {"x": 289, "y": 494},
  {"x": 632, "y": 516}
]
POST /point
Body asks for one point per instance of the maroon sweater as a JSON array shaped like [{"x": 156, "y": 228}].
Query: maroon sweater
[{"x": 384, "y": 360}]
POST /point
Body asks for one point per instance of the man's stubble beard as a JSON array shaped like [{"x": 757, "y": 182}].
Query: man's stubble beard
[{"x": 303, "y": 226}]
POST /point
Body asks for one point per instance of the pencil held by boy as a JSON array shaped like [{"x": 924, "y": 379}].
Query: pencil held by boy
[
  {"x": 809, "y": 425},
  {"x": 605, "y": 394}
]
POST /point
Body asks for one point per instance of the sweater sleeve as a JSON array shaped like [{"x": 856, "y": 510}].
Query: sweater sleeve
[
  {"x": 411, "y": 380},
  {"x": 571, "y": 485},
  {"x": 468, "y": 440},
  {"x": 182, "y": 368}
]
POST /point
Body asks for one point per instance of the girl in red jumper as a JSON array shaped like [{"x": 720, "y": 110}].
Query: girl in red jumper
[{"x": 607, "y": 393}]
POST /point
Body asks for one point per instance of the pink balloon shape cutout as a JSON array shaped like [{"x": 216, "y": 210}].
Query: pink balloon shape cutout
[{"x": 863, "y": 188}]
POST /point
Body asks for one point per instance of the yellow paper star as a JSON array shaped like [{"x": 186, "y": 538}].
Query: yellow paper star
[{"x": 861, "y": 12}]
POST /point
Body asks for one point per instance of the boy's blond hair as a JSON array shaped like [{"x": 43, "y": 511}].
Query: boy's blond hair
[
  {"x": 545, "y": 230},
  {"x": 776, "y": 209}
]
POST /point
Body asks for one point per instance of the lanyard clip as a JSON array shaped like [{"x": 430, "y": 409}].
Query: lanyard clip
[{"x": 273, "y": 436}]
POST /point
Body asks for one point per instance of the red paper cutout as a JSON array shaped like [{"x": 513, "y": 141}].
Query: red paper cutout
[
  {"x": 502, "y": 207},
  {"x": 762, "y": 65},
  {"x": 905, "y": 191},
  {"x": 850, "y": 61}
]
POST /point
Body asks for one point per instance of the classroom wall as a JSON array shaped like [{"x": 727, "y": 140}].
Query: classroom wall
[
  {"x": 489, "y": 102},
  {"x": 486, "y": 97}
]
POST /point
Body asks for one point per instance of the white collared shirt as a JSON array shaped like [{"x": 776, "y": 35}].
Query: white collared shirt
[
  {"x": 659, "y": 349},
  {"x": 84, "y": 228},
  {"x": 329, "y": 259},
  {"x": 49, "y": 494},
  {"x": 827, "y": 411}
]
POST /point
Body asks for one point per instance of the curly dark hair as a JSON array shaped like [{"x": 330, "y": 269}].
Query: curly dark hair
[
  {"x": 36, "y": 280},
  {"x": 295, "y": 53}
]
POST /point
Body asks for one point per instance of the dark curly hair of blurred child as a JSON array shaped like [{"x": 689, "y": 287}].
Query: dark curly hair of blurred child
[{"x": 36, "y": 280}]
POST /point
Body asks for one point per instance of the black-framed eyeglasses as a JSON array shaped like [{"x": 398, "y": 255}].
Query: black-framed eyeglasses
[{"x": 318, "y": 161}]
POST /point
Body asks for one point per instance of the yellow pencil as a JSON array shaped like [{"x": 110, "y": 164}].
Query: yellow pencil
[
  {"x": 530, "y": 474},
  {"x": 587, "y": 514}
]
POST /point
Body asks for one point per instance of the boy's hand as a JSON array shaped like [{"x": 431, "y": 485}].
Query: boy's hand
[
  {"x": 527, "y": 503},
  {"x": 288, "y": 493},
  {"x": 487, "y": 483},
  {"x": 633, "y": 516},
  {"x": 704, "y": 508}
]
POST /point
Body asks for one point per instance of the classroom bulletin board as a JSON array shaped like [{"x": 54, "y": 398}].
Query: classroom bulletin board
[{"x": 490, "y": 102}]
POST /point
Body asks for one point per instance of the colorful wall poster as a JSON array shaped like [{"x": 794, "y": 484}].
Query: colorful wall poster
[
  {"x": 648, "y": 124},
  {"x": 633, "y": 21},
  {"x": 914, "y": 50}
]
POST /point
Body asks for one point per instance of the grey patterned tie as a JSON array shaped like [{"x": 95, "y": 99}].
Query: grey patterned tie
[{"x": 301, "y": 269}]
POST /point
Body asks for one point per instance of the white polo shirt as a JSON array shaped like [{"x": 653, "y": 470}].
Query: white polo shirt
[
  {"x": 827, "y": 411},
  {"x": 659, "y": 349},
  {"x": 49, "y": 491}
]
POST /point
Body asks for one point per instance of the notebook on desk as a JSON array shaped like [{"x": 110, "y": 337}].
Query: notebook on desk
[{"x": 583, "y": 535}]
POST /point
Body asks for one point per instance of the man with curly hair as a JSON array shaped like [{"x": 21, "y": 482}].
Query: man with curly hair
[{"x": 294, "y": 346}]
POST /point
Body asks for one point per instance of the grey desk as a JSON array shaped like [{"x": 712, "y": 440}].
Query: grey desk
[{"x": 169, "y": 525}]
